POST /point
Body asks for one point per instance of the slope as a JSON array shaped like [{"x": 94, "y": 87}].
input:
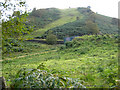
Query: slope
[
  {"x": 66, "y": 16},
  {"x": 105, "y": 25},
  {"x": 72, "y": 22},
  {"x": 92, "y": 59}
]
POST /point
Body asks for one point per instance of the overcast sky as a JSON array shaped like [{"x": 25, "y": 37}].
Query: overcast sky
[{"x": 104, "y": 7}]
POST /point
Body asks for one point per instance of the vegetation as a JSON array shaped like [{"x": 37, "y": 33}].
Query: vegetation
[
  {"x": 14, "y": 27},
  {"x": 66, "y": 16},
  {"x": 77, "y": 28},
  {"x": 88, "y": 61},
  {"x": 51, "y": 39},
  {"x": 96, "y": 54},
  {"x": 41, "y": 17},
  {"x": 36, "y": 78},
  {"x": 75, "y": 20},
  {"x": 92, "y": 27},
  {"x": 91, "y": 23}
]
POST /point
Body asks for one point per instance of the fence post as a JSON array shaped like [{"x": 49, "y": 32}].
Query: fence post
[{"x": 3, "y": 84}]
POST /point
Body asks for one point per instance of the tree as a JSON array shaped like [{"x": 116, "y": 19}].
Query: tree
[
  {"x": 13, "y": 24},
  {"x": 92, "y": 17},
  {"x": 34, "y": 9},
  {"x": 114, "y": 21},
  {"x": 51, "y": 38},
  {"x": 16, "y": 13},
  {"x": 92, "y": 27},
  {"x": 89, "y": 7},
  {"x": 77, "y": 18}
]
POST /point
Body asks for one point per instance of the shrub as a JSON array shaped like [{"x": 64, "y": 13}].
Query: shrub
[
  {"x": 51, "y": 39},
  {"x": 10, "y": 45},
  {"x": 69, "y": 44},
  {"x": 17, "y": 49},
  {"x": 62, "y": 47}
]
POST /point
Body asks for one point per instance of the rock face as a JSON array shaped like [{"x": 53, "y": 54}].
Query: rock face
[{"x": 2, "y": 83}]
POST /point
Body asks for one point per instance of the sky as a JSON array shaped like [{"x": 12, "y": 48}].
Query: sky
[{"x": 104, "y": 7}]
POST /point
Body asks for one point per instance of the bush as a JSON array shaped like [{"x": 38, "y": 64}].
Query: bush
[
  {"x": 17, "y": 49},
  {"x": 51, "y": 39},
  {"x": 11, "y": 45},
  {"x": 69, "y": 44},
  {"x": 62, "y": 47}
]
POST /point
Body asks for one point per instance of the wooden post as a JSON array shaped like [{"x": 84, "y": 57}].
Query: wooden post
[{"x": 3, "y": 84}]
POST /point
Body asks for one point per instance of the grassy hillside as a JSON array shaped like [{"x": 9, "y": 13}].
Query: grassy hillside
[
  {"x": 69, "y": 19},
  {"x": 41, "y": 17},
  {"x": 92, "y": 59},
  {"x": 106, "y": 25},
  {"x": 66, "y": 16},
  {"x": 79, "y": 27}
]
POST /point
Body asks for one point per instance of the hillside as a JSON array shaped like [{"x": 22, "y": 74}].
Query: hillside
[
  {"x": 73, "y": 20},
  {"x": 66, "y": 16},
  {"x": 79, "y": 27},
  {"x": 92, "y": 59},
  {"x": 41, "y": 17}
]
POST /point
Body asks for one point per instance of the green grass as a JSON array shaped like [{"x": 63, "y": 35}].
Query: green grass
[{"x": 93, "y": 61}]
